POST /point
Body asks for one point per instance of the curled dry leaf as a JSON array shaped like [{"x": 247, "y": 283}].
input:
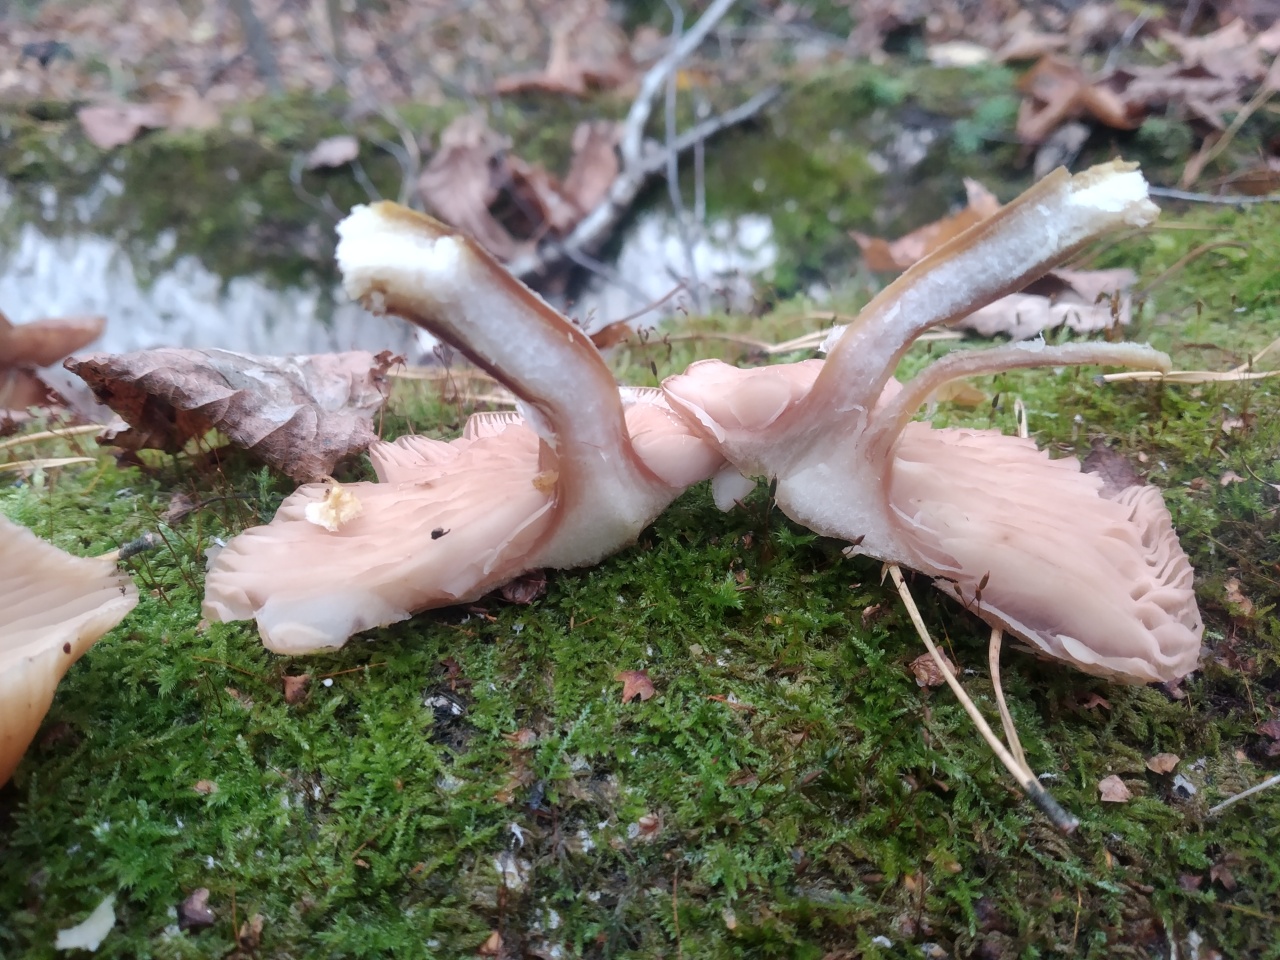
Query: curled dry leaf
[
  {"x": 1163, "y": 762},
  {"x": 1113, "y": 790},
  {"x": 1242, "y": 604},
  {"x": 492, "y": 945},
  {"x": 204, "y": 787},
  {"x": 333, "y": 152},
  {"x": 1112, "y": 468},
  {"x": 525, "y": 589},
  {"x": 926, "y": 670},
  {"x": 463, "y": 181},
  {"x": 111, "y": 125},
  {"x": 900, "y": 254},
  {"x": 635, "y": 683},
  {"x": 1057, "y": 90},
  {"x": 300, "y": 415},
  {"x": 509, "y": 204},
  {"x": 295, "y": 687},
  {"x": 194, "y": 912},
  {"x": 588, "y": 52},
  {"x": 250, "y": 934}
]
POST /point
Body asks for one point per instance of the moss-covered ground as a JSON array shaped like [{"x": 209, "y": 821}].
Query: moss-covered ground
[{"x": 788, "y": 791}]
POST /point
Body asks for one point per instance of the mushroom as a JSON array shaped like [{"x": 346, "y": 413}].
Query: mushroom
[
  {"x": 38, "y": 344},
  {"x": 574, "y": 476},
  {"x": 53, "y": 606},
  {"x": 1030, "y": 544}
]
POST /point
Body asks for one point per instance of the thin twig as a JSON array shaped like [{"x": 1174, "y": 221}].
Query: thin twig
[
  {"x": 1025, "y": 778},
  {"x": 636, "y": 166},
  {"x": 147, "y": 542},
  {"x": 1006, "y": 718},
  {"x": 49, "y": 435},
  {"x": 1171, "y": 194},
  {"x": 1214, "y": 811}
]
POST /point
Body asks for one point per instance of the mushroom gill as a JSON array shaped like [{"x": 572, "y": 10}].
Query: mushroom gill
[
  {"x": 575, "y": 476},
  {"x": 53, "y": 607},
  {"x": 1030, "y": 544}
]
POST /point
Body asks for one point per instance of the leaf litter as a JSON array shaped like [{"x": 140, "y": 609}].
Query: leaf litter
[{"x": 300, "y": 415}]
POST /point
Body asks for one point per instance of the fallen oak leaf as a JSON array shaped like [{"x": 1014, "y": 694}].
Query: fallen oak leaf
[
  {"x": 300, "y": 415},
  {"x": 1113, "y": 790},
  {"x": 1163, "y": 762},
  {"x": 635, "y": 683}
]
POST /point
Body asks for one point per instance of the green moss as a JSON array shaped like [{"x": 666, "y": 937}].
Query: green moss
[{"x": 788, "y": 792}]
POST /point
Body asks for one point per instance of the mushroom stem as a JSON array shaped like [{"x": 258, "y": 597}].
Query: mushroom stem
[
  {"x": 1021, "y": 773},
  {"x": 1001, "y": 254},
  {"x": 1024, "y": 354}
]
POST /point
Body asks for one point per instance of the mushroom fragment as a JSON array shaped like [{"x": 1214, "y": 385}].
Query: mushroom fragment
[
  {"x": 1031, "y": 545},
  {"x": 53, "y": 607},
  {"x": 574, "y": 477},
  {"x": 40, "y": 343}
]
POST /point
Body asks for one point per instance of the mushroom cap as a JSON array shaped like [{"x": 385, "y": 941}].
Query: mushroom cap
[
  {"x": 53, "y": 606},
  {"x": 1096, "y": 579},
  {"x": 1032, "y": 545},
  {"x": 447, "y": 522},
  {"x": 41, "y": 343}
]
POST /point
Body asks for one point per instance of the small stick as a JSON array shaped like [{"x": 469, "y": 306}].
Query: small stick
[
  {"x": 148, "y": 541},
  {"x": 1258, "y": 788},
  {"x": 1026, "y": 779},
  {"x": 49, "y": 435}
]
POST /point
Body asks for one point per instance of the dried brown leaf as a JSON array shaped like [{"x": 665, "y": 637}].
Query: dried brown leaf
[
  {"x": 1242, "y": 604},
  {"x": 180, "y": 506},
  {"x": 1221, "y": 873},
  {"x": 1112, "y": 468},
  {"x": 194, "y": 912},
  {"x": 492, "y": 945},
  {"x": 464, "y": 179},
  {"x": 588, "y": 52},
  {"x": 204, "y": 787},
  {"x": 525, "y": 589},
  {"x": 1163, "y": 762},
  {"x": 927, "y": 672},
  {"x": 300, "y": 415},
  {"x": 595, "y": 163},
  {"x": 1270, "y": 728},
  {"x": 295, "y": 687},
  {"x": 112, "y": 125},
  {"x": 880, "y": 254},
  {"x": 250, "y": 934},
  {"x": 635, "y": 683},
  {"x": 1113, "y": 790}
]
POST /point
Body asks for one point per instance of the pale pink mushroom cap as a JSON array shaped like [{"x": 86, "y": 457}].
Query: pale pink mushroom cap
[
  {"x": 1101, "y": 583},
  {"x": 53, "y": 606},
  {"x": 574, "y": 478}
]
